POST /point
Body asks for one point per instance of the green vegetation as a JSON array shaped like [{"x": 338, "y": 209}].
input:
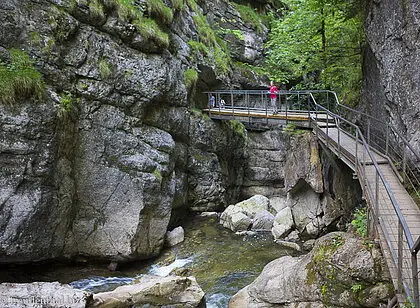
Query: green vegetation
[
  {"x": 238, "y": 128},
  {"x": 408, "y": 304},
  {"x": 293, "y": 130},
  {"x": 199, "y": 113},
  {"x": 190, "y": 77},
  {"x": 210, "y": 46},
  {"x": 67, "y": 102},
  {"x": 198, "y": 48},
  {"x": 130, "y": 11},
  {"x": 159, "y": 10},
  {"x": 19, "y": 79},
  {"x": 360, "y": 221},
  {"x": 249, "y": 70},
  {"x": 249, "y": 15},
  {"x": 205, "y": 32},
  {"x": 236, "y": 33},
  {"x": 150, "y": 30},
  {"x": 96, "y": 9},
  {"x": 178, "y": 5},
  {"x": 356, "y": 288},
  {"x": 319, "y": 44},
  {"x": 321, "y": 269},
  {"x": 104, "y": 68},
  {"x": 35, "y": 38},
  {"x": 157, "y": 174}
]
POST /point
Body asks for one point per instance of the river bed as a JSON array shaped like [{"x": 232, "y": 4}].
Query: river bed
[{"x": 222, "y": 262}]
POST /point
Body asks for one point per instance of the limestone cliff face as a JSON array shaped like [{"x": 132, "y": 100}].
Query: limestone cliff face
[
  {"x": 294, "y": 172},
  {"x": 391, "y": 88},
  {"x": 115, "y": 151}
]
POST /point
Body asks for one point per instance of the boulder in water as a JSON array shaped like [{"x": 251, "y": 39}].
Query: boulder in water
[
  {"x": 283, "y": 223},
  {"x": 251, "y": 212},
  {"x": 234, "y": 219},
  {"x": 153, "y": 290},
  {"x": 263, "y": 221},
  {"x": 175, "y": 236}
]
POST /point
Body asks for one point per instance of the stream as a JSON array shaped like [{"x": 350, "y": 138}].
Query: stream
[{"x": 222, "y": 262}]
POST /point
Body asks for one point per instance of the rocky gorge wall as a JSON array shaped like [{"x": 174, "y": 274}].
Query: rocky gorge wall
[
  {"x": 391, "y": 78},
  {"x": 116, "y": 152},
  {"x": 293, "y": 171}
]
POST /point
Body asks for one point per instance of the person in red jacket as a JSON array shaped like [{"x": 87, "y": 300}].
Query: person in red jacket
[{"x": 273, "y": 96}]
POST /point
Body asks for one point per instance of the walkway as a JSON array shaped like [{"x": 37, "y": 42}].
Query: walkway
[{"x": 380, "y": 157}]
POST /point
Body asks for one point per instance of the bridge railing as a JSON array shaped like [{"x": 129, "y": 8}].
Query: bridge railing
[
  {"x": 385, "y": 138},
  {"x": 364, "y": 156},
  {"x": 259, "y": 101}
]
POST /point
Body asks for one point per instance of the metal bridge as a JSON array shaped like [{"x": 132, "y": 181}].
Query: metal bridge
[{"x": 385, "y": 164}]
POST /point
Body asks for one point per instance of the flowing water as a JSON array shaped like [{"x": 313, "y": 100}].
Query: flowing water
[{"x": 221, "y": 261}]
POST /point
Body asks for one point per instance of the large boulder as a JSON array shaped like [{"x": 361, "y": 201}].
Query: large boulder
[
  {"x": 173, "y": 291},
  {"x": 175, "y": 236},
  {"x": 235, "y": 219},
  {"x": 45, "y": 294},
  {"x": 251, "y": 212},
  {"x": 283, "y": 223},
  {"x": 341, "y": 271}
]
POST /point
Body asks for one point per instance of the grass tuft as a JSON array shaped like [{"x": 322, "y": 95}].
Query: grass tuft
[
  {"x": 160, "y": 11},
  {"x": 190, "y": 77},
  {"x": 19, "y": 79},
  {"x": 150, "y": 30},
  {"x": 105, "y": 69}
]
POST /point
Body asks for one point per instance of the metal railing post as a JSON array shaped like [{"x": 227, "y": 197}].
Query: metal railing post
[
  {"x": 266, "y": 108},
  {"x": 298, "y": 102},
  {"x": 415, "y": 274},
  {"x": 286, "y": 110},
  {"x": 249, "y": 110},
  {"x": 328, "y": 137},
  {"x": 231, "y": 102},
  {"x": 338, "y": 138},
  {"x": 356, "y": 157},
  {"x": 400, "y": 258},
  {"x": 368, "y": 133},
  {"x": 328, "y": 104},
  {"x": 376, "y": 198},
  {"x": 387, "y": 140},
  {"x": 404, "y": 166},
  {"x": 309, "y": 114},
  {"x": 364, "y": 167}
]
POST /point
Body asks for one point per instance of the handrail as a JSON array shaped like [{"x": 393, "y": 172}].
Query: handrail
[
  {"x": 403, "y": 227},
  {"x": 384, "y": 181},
  {"x": 406, "y": 143}
]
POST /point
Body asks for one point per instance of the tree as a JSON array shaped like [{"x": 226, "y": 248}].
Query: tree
[{"x": 318, "y": 44}]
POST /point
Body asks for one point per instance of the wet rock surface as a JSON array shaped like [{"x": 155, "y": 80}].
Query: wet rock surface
[{"x": 340, "y": 271}]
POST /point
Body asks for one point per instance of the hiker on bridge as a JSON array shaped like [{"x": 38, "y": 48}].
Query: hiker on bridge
[
  {"x": 212, "y": 101},
  {"x": 273, "y": 96}
]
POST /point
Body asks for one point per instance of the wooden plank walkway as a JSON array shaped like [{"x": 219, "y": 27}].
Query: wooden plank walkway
[
  {"x": 292, "y": 115},
  {"x": 344, "y": 145},
  {"x": 388, "y": 219}
]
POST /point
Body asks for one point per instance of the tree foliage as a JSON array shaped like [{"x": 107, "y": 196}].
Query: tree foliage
[{"x": 319, "y": 44}]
